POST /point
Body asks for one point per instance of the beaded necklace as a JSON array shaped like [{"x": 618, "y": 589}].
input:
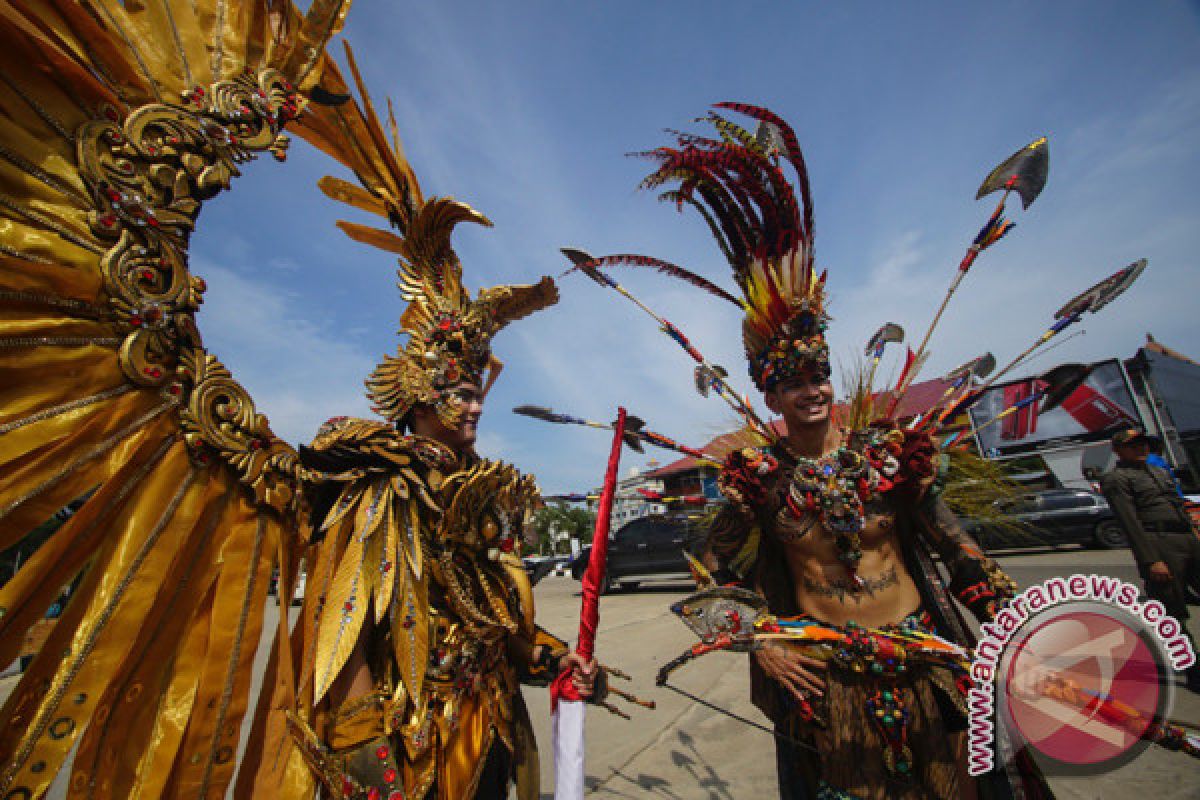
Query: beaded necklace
[{"x": 836, "y": 485}]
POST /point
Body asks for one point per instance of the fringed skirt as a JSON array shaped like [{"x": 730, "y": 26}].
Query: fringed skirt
[{"x": 877, "y": 735}]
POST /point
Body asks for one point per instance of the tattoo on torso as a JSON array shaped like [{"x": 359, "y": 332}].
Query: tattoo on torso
[{"x": 842, "y": 588}]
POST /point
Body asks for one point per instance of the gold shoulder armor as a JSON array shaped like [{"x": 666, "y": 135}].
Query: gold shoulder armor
[{"x": 487, "y": 506}]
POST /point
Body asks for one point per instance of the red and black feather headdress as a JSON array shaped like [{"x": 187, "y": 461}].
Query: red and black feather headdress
[{"x": 738, "y": 184}]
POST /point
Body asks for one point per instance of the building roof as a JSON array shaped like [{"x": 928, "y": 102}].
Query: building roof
[{"x": 1155, "y": 347}]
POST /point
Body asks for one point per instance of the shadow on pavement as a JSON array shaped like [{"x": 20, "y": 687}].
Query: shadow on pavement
[{"x": 706, "y": 777}]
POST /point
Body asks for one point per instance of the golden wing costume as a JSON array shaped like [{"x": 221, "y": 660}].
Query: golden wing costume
[{"x": 117, "y": 121}]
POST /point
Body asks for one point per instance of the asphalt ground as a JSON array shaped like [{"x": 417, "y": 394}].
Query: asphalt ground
[{"x": 684, "y": 750}]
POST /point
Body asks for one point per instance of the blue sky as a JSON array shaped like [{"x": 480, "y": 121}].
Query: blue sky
[{"x": 525, "y": 110}]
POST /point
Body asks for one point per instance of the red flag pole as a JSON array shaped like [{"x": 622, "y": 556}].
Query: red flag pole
[
  {"x": 567, "y": 729},
  {"x": 593, "y": 578}
]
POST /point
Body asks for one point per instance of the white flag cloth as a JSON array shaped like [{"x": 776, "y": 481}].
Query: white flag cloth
[{"x": 567, "y": 735}]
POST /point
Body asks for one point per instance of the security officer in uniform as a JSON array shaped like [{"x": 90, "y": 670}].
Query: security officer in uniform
[{"x": 1160, "y": 531}]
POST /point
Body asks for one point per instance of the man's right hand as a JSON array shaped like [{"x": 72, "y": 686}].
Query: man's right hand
[
  {"x": 792, "y": 670},
  {"x": 1160, "y": 572}
]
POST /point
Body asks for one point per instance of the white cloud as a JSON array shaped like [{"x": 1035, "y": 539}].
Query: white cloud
[{"x": 299, "y": 370}]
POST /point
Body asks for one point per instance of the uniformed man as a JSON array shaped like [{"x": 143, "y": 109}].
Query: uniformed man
[{"x": 1160, "y": 532}]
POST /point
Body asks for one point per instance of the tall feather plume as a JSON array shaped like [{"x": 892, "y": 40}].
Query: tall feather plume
[{"x": 764, "y": 230}]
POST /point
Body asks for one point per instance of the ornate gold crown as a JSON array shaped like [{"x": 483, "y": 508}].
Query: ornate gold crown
[{"x": 449, "y": 334}]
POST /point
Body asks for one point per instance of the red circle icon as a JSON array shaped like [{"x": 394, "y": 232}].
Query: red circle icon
[{"x": 1083, "y": 687}]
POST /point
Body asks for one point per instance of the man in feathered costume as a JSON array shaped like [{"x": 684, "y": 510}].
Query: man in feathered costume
[{"x": 831, "y": 524}]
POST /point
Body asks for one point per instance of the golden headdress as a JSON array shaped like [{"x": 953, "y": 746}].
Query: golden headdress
[
  {"x": 449, "y": 334},
  {"x": 737, "y": 184}
]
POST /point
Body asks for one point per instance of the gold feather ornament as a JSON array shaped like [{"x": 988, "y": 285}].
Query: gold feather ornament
[{"x": 119, "y": 120}]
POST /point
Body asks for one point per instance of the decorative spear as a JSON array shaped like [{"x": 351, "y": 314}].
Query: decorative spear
[
  {"x": 634, "y": 431},
  {"x": 888, "y": 333},
  {"x": 1056, "y": 386},
  {"x": 1095, "y": 298},
  {"x": 712, "y": 375},
  {"x": 1092, "y": 300},
  {"x": 575, "y": 497},
  {"x": 683, "y": 499},
  {"x": 960, "y": 381},
  {"x": 1024, "y": 172},
  {"x": 568, "y": 711}
]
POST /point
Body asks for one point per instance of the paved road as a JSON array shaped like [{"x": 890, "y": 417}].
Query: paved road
[{"x": 683, "y": 751}]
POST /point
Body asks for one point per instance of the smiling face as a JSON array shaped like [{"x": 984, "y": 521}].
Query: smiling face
[
  {"x": 469, "y": 396},
  {"x": 803, "y": 400}
]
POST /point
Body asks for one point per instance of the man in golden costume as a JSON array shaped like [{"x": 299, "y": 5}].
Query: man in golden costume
[
  {"x": 422, "y": 620},
  {"x": 118, "y": 120}
]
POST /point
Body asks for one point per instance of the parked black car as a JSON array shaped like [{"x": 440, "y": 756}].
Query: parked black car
[
  {"x": 538, "y": 567},
  {"x": 1051, "y": 518},
  {"x": 646, "y": 548}
]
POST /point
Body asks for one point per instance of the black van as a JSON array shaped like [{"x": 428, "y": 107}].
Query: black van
[{"x": 646, "y": 548}]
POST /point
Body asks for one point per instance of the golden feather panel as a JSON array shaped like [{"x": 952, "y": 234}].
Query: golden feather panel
[{"x": 121, "y": 120}]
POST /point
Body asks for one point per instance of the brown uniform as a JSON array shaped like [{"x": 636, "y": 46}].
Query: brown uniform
[{"x": 1145, "y": 501}]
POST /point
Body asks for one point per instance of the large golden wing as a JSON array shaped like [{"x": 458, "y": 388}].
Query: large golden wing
[{"x": 117, "y": 120}]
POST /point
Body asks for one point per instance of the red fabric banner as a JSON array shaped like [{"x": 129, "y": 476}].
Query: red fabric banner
[{"x": 593, "y": 578}]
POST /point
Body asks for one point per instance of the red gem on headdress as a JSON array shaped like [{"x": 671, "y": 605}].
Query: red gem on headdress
[
  {"x": 507, "y": 544},
  {"x": 347, "y": 786},
  {"x": 396, "y": 795},
  {"x": 374, "y": 794},
  {"x": 382, "y": 752},
  {"x": 389, "y": 775}
]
